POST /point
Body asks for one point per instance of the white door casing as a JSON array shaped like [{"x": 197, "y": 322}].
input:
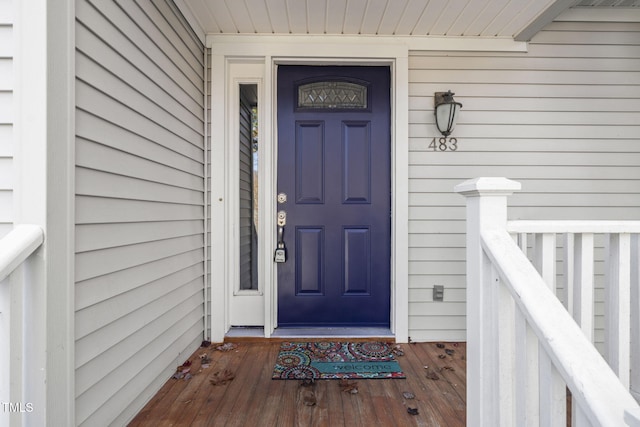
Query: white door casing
[{"x": 250, "y": 59}]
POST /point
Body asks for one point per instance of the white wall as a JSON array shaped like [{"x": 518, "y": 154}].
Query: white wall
[
  {"x": 139, "y": 203},
  {"x": 563, "y": 119}
]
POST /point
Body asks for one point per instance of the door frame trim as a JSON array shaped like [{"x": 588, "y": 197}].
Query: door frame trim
[
  {"x": 370, "y": 75},
  {"x": 308, "y": 50}
]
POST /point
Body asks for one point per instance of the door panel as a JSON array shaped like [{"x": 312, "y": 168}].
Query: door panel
[
  {"x": 309, "y": 259},
  {"x": 357, "y": 261},
  {"x": 356, "y": 155},
  {"x": 334, "y": 165},
  {"x": 309, "y": 148}
]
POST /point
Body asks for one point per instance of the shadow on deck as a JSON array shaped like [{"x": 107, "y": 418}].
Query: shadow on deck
[{"x": 252, "y": 398}]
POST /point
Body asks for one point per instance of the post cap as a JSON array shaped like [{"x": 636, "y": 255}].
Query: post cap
[{"x": 487, "y": 186}]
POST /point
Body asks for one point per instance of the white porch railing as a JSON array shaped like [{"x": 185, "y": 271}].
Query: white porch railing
[
  {"x": 621, "y": 343},
  {"x": 524, "y": 348},
  {"x": 15, "y": 249}
]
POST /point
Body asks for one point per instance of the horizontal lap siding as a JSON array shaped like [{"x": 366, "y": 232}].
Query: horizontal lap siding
[
  {"x": 139, "y": 203},
  {"x": 6, "y": 117},
  {"x": 563, "y": 119}
]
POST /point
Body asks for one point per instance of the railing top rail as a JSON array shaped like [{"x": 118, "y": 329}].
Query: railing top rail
[
  {"x": 17, "y": 246},
  {"x": 568, "y": 226},
  {"x": 593, "y": 384}
]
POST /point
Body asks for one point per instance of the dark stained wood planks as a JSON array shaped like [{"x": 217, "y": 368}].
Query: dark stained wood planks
[{"x": 253, "y": 398}]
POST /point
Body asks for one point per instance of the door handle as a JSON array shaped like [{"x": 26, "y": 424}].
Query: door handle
[
  {"x": 281, "y": 251},
  {"x": 280, "y": 237}
]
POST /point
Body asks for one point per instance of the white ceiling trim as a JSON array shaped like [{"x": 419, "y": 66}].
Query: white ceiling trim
[
  {"x": 516, "y": 19},
  {"x": 617, "y": 14},
  {"x": 478, "y": 44},
  {"x": 442, "y": 18},
  {"x": 310, "y": 42},
  {"x": 191, "y": 19},
  {"x": 544, "y": 19}
]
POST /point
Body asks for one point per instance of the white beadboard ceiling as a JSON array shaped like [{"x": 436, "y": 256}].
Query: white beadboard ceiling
[{"x": 517, "y": 19}]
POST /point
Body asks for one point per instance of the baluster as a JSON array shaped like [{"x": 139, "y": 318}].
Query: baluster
[
  {"x": 583, "y": 283},
  {"x": 5, "y": 353},
  {"x": 578, "y": 417},
  {"x": 635, "y": 316},
  {"x": 18, "y": 355},
  {"x": 617, "y": 304},
  {"x": 568, "y": 271},
  {"x": 526, "y": 373},
  {"x": 552, "y": 388},
  {"x": 522, "y": 242},
  {"x": 553, "y": 393},
  {"x": 506, "y": 351},
  {"x": 545, "y": 258},
  {"x": 582, "y": 288}
]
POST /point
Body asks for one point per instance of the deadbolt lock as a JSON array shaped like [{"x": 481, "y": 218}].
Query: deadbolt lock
[{"x": 282, "y": 218}]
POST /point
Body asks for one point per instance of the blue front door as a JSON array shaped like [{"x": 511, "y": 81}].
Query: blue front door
[{"x": 334, "y": 167}]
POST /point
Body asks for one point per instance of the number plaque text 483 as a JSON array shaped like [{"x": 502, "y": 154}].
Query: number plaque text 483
[{"x": 443, "y": 144}]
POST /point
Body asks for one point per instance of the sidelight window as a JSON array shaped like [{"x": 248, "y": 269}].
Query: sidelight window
[{"x": 248, "y": 145}]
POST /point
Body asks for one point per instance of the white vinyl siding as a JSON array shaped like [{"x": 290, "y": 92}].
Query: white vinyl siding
[
  {"x": 6, "y": 116},
  {"x": 139, "y": 203},
  {"x": 562, "y": 118}
]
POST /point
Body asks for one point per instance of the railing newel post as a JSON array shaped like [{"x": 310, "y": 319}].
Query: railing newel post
[{"x": 486, "y": 209}]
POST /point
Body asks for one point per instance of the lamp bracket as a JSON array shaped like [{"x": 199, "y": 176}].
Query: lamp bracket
[{"x": 443, "y": 97}]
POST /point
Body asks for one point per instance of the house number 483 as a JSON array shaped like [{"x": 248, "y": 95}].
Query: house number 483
[{"x": 444, "y": 144}]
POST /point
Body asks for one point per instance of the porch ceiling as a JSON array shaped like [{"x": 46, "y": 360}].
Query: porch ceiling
[{"x": 517, "y": 19}]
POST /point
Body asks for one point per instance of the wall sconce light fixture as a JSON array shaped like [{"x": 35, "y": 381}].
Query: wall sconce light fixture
[{"x": 446, "y": 111}]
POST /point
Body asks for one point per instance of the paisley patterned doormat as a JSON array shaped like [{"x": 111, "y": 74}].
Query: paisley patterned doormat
[{"x": 336, "y": 360}]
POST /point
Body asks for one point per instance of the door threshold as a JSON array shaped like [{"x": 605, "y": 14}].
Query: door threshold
[
  {"x": 359, "y": 333},
  {"x": 346, "y": 332}
]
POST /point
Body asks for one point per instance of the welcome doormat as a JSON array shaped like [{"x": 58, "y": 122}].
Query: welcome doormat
[{"x": 336, "y": 360}]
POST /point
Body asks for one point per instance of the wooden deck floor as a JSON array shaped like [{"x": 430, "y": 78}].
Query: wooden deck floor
[{"x": 252, "y": 398}]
